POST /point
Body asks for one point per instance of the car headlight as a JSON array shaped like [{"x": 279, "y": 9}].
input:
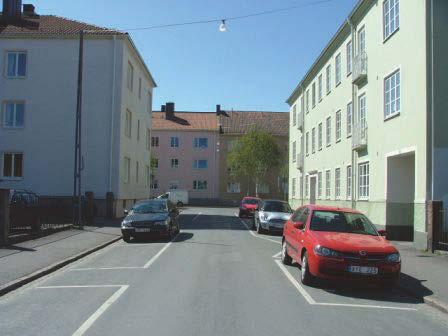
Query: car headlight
[
  {"x": 126, "y": 223},
  {"x": 326, "y": 252},
  {"x": 393, "y": 258},
  {"x": 165, "y": 222},
  {"x": 264, "y": 217}
]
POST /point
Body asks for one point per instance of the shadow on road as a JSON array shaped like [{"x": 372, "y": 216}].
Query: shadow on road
[{"x": 210, "y": 222}]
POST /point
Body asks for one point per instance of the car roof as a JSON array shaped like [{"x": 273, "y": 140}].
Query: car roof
[
  {"x": 330, "y": 208},
  {"x": 274, "y": 200}
]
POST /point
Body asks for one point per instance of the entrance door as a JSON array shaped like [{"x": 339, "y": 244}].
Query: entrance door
[{"x": 312, "y": 189}]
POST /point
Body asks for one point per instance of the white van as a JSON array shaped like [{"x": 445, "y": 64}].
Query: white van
[{"x": 178, "y": 197}]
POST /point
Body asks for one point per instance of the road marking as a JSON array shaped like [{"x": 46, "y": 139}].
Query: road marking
[
  {"x": 254, "y": 234},
  {"x": 196, "y": 217},
  {"x": 277, "y": 255},
  {"x": 80, "y": 286},
  {"x": 153, "y": 259},
  {"x": 105, "y": 268},
  {"x": 313, "y": 302}
]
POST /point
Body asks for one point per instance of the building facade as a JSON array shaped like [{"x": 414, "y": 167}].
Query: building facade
[
  {"x": 185, "y": 153},
  {"x": 366, "y": 122},
  {"x": 39, "y": 63}
]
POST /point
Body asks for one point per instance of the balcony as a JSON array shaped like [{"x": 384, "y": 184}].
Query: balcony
[
  {"x": 299, "y": 161},
  {"x": 360, "y": 68},
  {"x": 359, "y": 137},
  {"x": 300, "y": 121}
]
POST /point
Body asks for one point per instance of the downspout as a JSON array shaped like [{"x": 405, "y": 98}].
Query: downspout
[
  {"x": 302, "y": 146},
  {"x": 112, "y": 112},
  {"x": 354, "y": 109},
  {"x": 432, "y": 98}
]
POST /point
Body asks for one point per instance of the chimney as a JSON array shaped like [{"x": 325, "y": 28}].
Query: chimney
[
  {"x": 218, "y": 110},
  {"x": 169, "y": 112},
  {"x": 162, "y": 108},
  {"x": 12, "y": 8},
  {"x": 29, "y": 10}
]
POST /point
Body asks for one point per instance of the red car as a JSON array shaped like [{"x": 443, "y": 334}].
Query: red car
[
  {"x": 336, "y": 243},
  {"x": 248, "y": 206}
]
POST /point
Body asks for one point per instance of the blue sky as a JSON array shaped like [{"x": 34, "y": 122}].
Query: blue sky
[{"x": 255, "y": 65}]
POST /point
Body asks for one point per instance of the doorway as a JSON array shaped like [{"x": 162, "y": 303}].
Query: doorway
[{"x": 313, "y": 189}]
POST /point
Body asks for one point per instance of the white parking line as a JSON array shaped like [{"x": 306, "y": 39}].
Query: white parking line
[
  {"x": 153, "y": 259},
  {"x": 105, "y": 268},
  {"x": 254, "y": 234},
  {"x": 195, "y": 217},
  {"x": 277, "y": 255},
  {"x": 313, "y": 302}
]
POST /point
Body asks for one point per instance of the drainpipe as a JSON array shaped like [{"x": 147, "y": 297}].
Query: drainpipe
[
  {"x": 354, "y": 109},
  {"x": 432, "y": 98},
  {"x": 112, "y": 113},
  {"x": 302, "y": 145}
]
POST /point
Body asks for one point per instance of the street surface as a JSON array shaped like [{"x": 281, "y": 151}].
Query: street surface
[{"x": 215, "y": 278}]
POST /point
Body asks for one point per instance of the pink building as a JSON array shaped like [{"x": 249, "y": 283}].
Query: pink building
[{"x": 185, "y": 145}]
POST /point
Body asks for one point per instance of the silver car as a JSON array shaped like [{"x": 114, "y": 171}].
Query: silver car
[{"x": 271, "y": 216}]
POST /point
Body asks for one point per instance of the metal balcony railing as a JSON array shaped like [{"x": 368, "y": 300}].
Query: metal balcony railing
[
  {"x": 360, "y": 68},
  {"x": 359, "y": 137}
]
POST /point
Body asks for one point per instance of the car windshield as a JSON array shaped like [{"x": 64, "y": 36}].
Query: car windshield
[
  {"x": 336, "y": 221},
  {"x": 250, "y": 201},
  {"x": 277, "y": 207},
  {"x": 150, "y": 207}
]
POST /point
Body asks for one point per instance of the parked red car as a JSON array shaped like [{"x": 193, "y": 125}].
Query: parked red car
[
  {"x": 248, "y": 206},
  {"x": 336, "y": 243}
]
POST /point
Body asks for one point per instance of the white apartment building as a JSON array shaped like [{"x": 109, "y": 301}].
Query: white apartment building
[
  {"x": 38, "y": 90},
  {"x": 368, "y": 121}
]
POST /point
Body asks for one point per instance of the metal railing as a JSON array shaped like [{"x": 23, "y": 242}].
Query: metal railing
[
  {"x": 360, "y": 67},
  {"x": 359, "y": 136}
]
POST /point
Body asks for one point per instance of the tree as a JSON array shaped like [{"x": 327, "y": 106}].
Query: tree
[
  {"x": 253, "y": 156},
  {"x": 153, "y": 166}
]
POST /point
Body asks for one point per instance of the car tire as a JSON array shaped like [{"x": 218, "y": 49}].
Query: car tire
[
  {"x": 286, "y": 258},
  {"x": 126, "y": 237},
  {"x": 306, "y": 277}
]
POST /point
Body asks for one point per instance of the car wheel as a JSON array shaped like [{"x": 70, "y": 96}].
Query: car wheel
[
  {"x": 180, "y": 204},
  {"x": 286, "y": 258},
  {"x": 306, "y": 277},
  {"x": 127, "y": 237}
]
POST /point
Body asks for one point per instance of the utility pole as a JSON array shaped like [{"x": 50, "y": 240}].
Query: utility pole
[{"x": 77, "y": 198}]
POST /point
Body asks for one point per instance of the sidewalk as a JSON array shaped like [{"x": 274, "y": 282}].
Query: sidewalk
[
  {"x": 24, "y": 262},
  {"x": 424, "y": 275}
]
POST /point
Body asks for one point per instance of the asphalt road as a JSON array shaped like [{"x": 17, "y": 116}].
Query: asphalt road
[{"x": 215, "y": 278}]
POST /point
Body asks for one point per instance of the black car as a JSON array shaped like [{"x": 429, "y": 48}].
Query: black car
[{"x": 154, "y": 217}]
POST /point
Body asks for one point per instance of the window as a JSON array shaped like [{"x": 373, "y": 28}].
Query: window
[
  {"x": 173, "y": 185},
  {"x": 155, "y": 184},
  {"x": 307, "y": 143},
  {"x": 319, "y": 184},
  {"x": 349, "y": 182},
  {"x": 138, "y": 130},
  {"x": 130, "y": 77},
  {"x": 12, "y": 166},
  {"x": 313, "y": 94},
  {"x": 319, "y": 87},
  {"x": 148, "y": 138},
  {"x": 294, "y": 151},
  {"x": 200, "y": 142},
  {"x": 293, "y": 186},
  {"x": 128, "y": 124},
  {"x": 363, "y": 174},
  {"x": 328, "y": 183},
  {"x": 14, "y": 115},
  {"x": 337, "y": 182},
  {"x": 136, "y": 172},
  {"x": 127, "y": 169},
  {"x": 154, "y": 141},
  {"x": 174, "y": 163},
  {"x": 328, "y": 73},
  {"x": 349, "y": 57},
  {"x": 149, "y": 103},
  {"x": 338, "y": 69},
  {"x": 233, "y": 188},
  {"x": 294, "y": 116},
  {"x": 307, "y": 183},
  {"x": 349, "y": 119},
  {"x": 362, "y": 112},
  {"x": 199, "y": 185},
  {"x": 338, "y": 126},
  {"x": 16, "y": 64},
  {"x": 155, "y": 163},
  {"x": 319, "y": 136},
  {"x": 307, "y": 100},
  {"x": 328, "y": 133},
  {"x": 313, "y": 140},
  {"x": 392, "y": 95},
  {"x": 140, "y": 88},
  {"x": 200, "y": 164},
  {"x": 263, "y": 188},
  {"x": 174, "y": 142},
  {"x": 361, "y": 40},
  {"x": 391, "y": 17}
]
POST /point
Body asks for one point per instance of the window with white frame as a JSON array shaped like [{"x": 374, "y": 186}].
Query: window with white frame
[
  {"x": 12, "y": 166},
  {"x": 349, "y": 55},
  {"x": 147, "y": 175},
  {"x": 338, "y": 126},
  {"x": 319, "y": 136},
  {"x": 128, "y": 124},
  {"x": 338, "y": 70},
  {"x": 294, "y": 151},
  {"x": 293, "y": 186},
  {"x": 361, "y": 40},
  {"x": 16, "y": 64},
  {"x": 337, "y": 182},
  {"x": 392, "y": 94},
  {"x": 313, "y": 140},
  {"x": 307, "y": 101},
  {"x": 174, "y": 142},
  {"x": 154, "y": 141},
  {"x": 313, "y": 94},
  {"x": 200, "y": 164},
  {"x": 349, "y": 118},
  {"x": 363, "y": 182},
  {"x": 199, "y": 185},
  {"x": 148, "y": 139},
  {"x": 139, "y": 88},
  {"x": 307, "y": 184},
  {"x": 130, "y": 77},
  {"x": 391, "y": 17},
  {"x": 349, "y": 182},
  {"x": 173, "y": 185},
  {"x": 307, "y": 143},
  {"x": 200, "y": 142},
  {"x": 137, "y": 173},
  {"x": 13, "y": 114},
  {"x": 294, "y": 115},
  {"x": 154, "y": 184},
  {"x": 174, "y": 163},
  {"x": 319, "y": 184},
  {"x": 362, "y": 115},
  {"x": 319, "y": 87},
  {"x": 328, "y": 79},
  {"x": 328, "y": 131},
  {"x": 233, "y": 188},
  {"x": 127, "y": 170},
  {"x": 328, "y": 183}
]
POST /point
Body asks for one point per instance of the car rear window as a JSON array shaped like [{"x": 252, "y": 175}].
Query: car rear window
[
  {"x": 277, "y": 207},
  {"x": 250, "y": 201}
]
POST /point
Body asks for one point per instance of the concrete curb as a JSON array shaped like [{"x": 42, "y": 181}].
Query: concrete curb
[
  {"x": 429, "y": 300},
  {"x": 13, "y": 285}
]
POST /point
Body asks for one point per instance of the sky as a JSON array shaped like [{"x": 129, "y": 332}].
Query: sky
[{"x": 255, "y": 65}]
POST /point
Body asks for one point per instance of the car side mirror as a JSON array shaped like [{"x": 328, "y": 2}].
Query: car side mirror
[
  {"x": 299, "y": 225},
  {"x": 126, "y": 212},
  {"x": 382, "y": 233}
]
